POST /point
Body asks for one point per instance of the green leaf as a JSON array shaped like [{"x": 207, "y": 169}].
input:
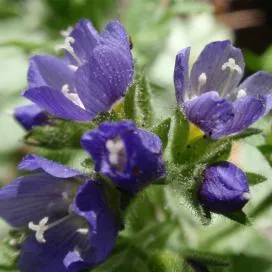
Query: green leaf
[
  {"x": 254, "y": 179},
  {"x": 239, "y": 217},
  {"x": 177, "y": 137},
  {"x": 162, "y": 131},
  {"x": 206, "y": 150},
  {"x": 137, "y": 105}
]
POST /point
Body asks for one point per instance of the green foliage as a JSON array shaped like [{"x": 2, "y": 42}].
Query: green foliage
[
  {"x": 137, "y": 105},
  {"x": 177, "y": 137}
]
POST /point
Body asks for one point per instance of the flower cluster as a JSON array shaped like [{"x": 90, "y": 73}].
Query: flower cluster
[{"x": 73, "y": 222}]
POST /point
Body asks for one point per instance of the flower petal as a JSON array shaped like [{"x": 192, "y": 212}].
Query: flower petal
[
  {"x": 259, "y": 84},
  {"x": 210, "y": 62},
  {"x": 30, "y": 116},
  {"x": 30, "y": 198},
  {"x": 56, "y": 103},
  {"x": 86, "y": 38},
  {"x": 223, "y": 188},
  {"x": 45, "y": 70},
  {"x": 115, "y": 33},
  {"x": 181, "y": 74},
  {"x": 247, "y": 110},
  {"x": 104, "y": 79},
  {"x": 140, "y": 161},
  {"x": 33, "y": 162},
  {"x": 210, "y": 113},
  {"x": 52, "y": 255},
  {"x": 92, "y": 205}
]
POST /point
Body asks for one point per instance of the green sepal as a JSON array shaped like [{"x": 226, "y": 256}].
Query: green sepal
[
  {"x": 247, "y": 133},
  {"x": 165, "y": 261},
  {"x": 206, "y": 150},
  {"x": 61, "y": 134},
  {"x": 184, "y": 182},
  {"x": 137, "y": 104},
  {"x": 254, "y": 179},
  {"x": 206, "y": 258},
  {"x": 177, "y": 137},
  {"x": 162, "y": 130},
  {"x": 239, "y": 217}
]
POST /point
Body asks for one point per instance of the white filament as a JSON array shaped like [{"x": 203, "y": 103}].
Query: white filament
[
  {"x": 246, "y": 196},
  {"x": 72, "y": 96},
  {"x": 68, "y": 47}
]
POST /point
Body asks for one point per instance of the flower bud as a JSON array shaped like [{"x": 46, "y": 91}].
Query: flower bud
[{"x": 224, "y": 188}]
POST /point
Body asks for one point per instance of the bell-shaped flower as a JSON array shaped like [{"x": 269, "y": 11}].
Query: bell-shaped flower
[
  {"x": 130, "y": 157},
  {"x": 72, "y": 228},
  {"x": 224, "y": 188},
  {"x": 211, "y": 95},
  {"x": 95, "y": 72},
  {"x": 30, "y": 116}
]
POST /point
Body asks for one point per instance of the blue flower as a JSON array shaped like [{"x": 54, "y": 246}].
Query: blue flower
[
  {"x": 70, "y": 232},
  {"x": 224, "y": 188},
  {"x": 211, "y": 96},
  {"x": 130, "y": 157},
  {"x": 30, "y": 116},
  {"x": 95, "y": 73}
]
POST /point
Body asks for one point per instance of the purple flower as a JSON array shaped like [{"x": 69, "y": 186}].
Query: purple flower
[
  {"x": 130, "y": 157},
  {"x": 30, "y": 116},
  {"x": 69, "y": 232},
  {"x": 224, "y": 188},
  {"x": 95, "y": 73},
  {"x": 211, "y": 96}
]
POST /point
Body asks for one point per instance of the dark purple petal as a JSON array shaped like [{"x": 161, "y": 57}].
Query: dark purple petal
[
  {"x": 247, "y": 110},
  {"x": 224, "y": 188},
  {"x": 91, "y": 204},
  {"x": 259, "y": 84},
  {"x": 49, "y": 71},
  {"x": 36, "y": 163},
  {"x": 210, "y": 62},
  {"x": 136, "y": 164},
  {"x": 181, "y": 74},
  {"x": 30, "y": 198},
  {"x": 104, "y": 79},
  {"x": 30, "y": 116},
  {"x": 56, "y": 103},
  {"x": 86, "y": 38},
  {"x": 210, "y": 113},
  {"x": 62, "y": 243}
]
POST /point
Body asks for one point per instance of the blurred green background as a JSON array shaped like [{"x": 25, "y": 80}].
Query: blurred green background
[{"x": 158, "y": 29}]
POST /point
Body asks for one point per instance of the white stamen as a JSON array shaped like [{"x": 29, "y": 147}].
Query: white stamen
[
  {"x": 202, "y": 79},
  {"x": 72, "y": 96},
  {"x": 66, "y": 32},
  {"x": 40, "y": 229},
  {"x": 68, "y": 47},
  {"x": 231, "y": 64},
  {"x": 246, "y": 196},
  {"x": 83, "y": 231},
  {"x": 73, "y": 67},
  {"x": 241, "y": 93},
  {"x": 114, "y": 148}
]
